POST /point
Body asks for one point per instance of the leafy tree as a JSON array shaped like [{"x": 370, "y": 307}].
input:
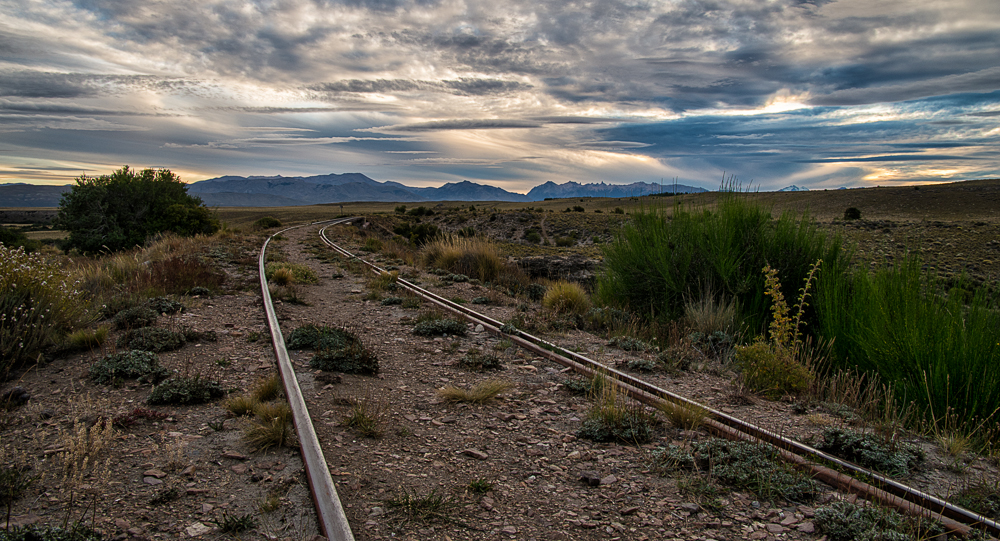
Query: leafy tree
[{"x": 118, "y": 211}]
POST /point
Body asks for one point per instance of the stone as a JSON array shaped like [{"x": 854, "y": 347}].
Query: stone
[
  {"x": 159, "y": 474},
  {"x": 775, "y": 528},
  {"x": 152, "y": 481},
  {"x": 234, "y": 455},
  {"x": 610, "y": 479},
  {"x": 122, "y": 524},
  {"x": 239, "y": 469},
  {"x": 806, "y": 527},
  {"x": 690, "y": 507},
  {"x": 475, "y": 453},
  {"x": 197, "y": 529},
  {"x": 510, "y": 530}
]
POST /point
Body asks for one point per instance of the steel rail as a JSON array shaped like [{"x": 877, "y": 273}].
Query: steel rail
[
  {"x": 881, "y": 488},
  {"x": 330, "y": 513}
]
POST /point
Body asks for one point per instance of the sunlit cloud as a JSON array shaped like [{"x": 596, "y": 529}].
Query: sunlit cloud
[{"x": 511, "y": 94}]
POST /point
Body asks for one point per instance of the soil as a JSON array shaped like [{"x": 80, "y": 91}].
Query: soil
[{"x": 545, "y": 481}]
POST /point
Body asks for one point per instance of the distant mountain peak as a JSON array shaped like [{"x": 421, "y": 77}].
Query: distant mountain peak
[{"x": 794, "y": 188}]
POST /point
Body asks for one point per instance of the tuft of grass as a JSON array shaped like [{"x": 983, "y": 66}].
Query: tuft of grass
[
  {"x": 771, "y": 372},
  {"x": 267, "y": 388},
  {"x": 271, "y": 426},
  {"x": 614, "y": 417},
  {"x": 846, "y": 521},
  {"x": 241, "y": 405},
  {"x": 282, "y": 277},
  {"x": 337, "y": 349},
  {"x": 684, "y": 416},
  {"x": 479, "y": 485},
  {"x": 709, "y": 314},
  {"x": 428, "y": 508},
  {"x": 981, "y": 497},
  {"x": 475, "y": 257},
  {"x": 369, "y": 415},
  {"x": 87, "y": 339},
  {"x": 479, "y": 360},
  {"x": 385, "y": 281},
  {"x": 236, "y": 523},
  {"x": 300, "y": 274},
  {"x": 566, "y": 297},
  {"x": 478, "y": 394}
]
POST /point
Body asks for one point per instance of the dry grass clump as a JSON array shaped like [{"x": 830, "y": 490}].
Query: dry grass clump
[
  {"x": 475, "y": 257},
  {"x": 369, "y": 415},
  {"x": 384, "y": 281},
  {"x": 478, "y": 394},
  {"x": 684, "y": 416},
  {"x": 615, "y": 417},
  {"x": 271, "y": 426},
  {"x": 566, "y": 297},
  {"x": 300, "y": 274},
  {"x": 709, "y": 314}
]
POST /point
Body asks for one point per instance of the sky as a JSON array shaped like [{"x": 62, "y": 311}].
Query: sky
[{"x": 510, "y": 93}]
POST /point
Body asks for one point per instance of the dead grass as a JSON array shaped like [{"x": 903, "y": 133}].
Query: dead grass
[{"x": 478, "y": 394}]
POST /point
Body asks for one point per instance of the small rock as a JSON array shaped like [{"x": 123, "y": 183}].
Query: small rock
[
  {"x": 135, "y": 532},
  {"x": 609, "y": 480},
  {"x": 806, "y": 527},
  {"x": 239, "y": 469},
  {"x": 511, "y": 530},
  {"x": 487, "y": 503},
  {"x": 775, "y": 528},
  {"x": 152, "y": 481},
  {"x": 479, "y": 329},
  {"x": 234, "y": 455},
  {"x": 690, "y": 507},
  {"x": 376, "y": 511},
  {"x": 159, "y": 474},
  {"x": 630, "y": 510},
  {"x": 188, "y": 471},
  {"x": 759, "y": 534},
  {"x": 197, "y": 529},
  {"x": 122, "y": 524},
  {"x": 475, "y": 453}
]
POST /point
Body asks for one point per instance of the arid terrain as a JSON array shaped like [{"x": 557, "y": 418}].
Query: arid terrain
[{"x": 510, "y": 468}]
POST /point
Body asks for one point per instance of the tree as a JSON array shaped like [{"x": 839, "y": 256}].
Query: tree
[{"x": 121, "y": 210}]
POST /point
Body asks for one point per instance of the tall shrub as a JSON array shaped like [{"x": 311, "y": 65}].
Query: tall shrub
[
  {"x": 121, "y": 210},
  {"x": 38, "y": 303},
  {"x": 660, "y": 261},
  {"x": 935, "y": 350}
]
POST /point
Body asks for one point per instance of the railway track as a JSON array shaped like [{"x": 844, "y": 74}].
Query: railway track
[{"x": 829, "y": 469}]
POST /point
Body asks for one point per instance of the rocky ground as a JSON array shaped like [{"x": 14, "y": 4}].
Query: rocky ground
[{"x": 510, "y": 468}]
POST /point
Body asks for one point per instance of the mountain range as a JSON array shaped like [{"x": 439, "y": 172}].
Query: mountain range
[{"x": 278, "y": 191}]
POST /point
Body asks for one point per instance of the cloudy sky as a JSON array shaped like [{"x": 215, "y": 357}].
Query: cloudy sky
[{"x": 510, "y": 93}]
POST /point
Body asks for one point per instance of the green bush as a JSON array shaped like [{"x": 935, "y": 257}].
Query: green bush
[
  {"x": 893, "y": 458},
  {"x": 153, "y": 339},
  {"x": 772, "y": 372},
  {"x": 845, "y": 521},
  {"x": 134, "y": 364},
  {"x": 338, "y": 350},
  {"x": 754, "y": 467},
  {"x": 267, "y": 222},
  {"x": 182, "y": 390},
  {"x": 533, "y": 236},
  {"x": 437, "y": 326},
  {"x": 121, "y": 210},
  {"x": 660, "y": 261},
  {"x": 417, "y": 235},
  {"x": 164, "y": 305},
  {"x": 15, "y": 238},
  {"x": 38, "y": 305},
  {"x": 77, "y": 532},
  {"x": 478, "y": 360},
  {"x": 852, "y": 213},
  {"x": 136, "y": 317},
  {"x": 300, "y": 273},
  {"x": 628, "y": 343}
]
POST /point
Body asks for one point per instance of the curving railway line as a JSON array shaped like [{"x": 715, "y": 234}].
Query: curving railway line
[{"x": 826, "y": 468}]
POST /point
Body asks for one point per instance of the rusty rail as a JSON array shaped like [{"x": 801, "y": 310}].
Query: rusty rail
[
  {"x": 330, "y": 513},
  {"x": 882, "y": 489}
]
